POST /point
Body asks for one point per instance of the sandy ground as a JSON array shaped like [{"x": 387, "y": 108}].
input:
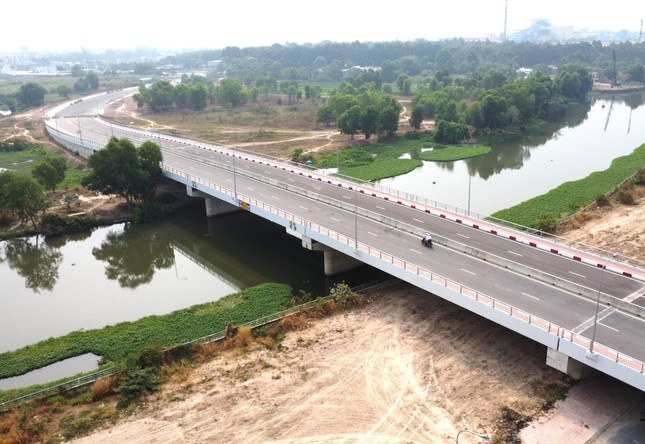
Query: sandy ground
[{"x": 408, "y": 367}]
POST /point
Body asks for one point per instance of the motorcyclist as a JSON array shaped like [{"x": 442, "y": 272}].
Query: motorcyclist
[{"x": 428, "y": 239}]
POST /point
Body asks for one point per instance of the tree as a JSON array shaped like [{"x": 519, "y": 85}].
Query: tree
[
  {"x": 636, "y": 72},
  {"x": 349, "y": 122},
  {"x": 45, "y": 174},
  {"x": 369, "y": 120},
  {"x": 64, "y": 91},
  {"x": 231, "y": 92},
  {"x": 121, "y": 169},
  {"x": 92, "y": 80},
  {"x": 574, "y": 81},
  {"x": 31, "y": 94},
  {"x": 77, "y": 71},
  {"x": 50, "y": 172},
  {"x": 416, "y": 117},
  {"x": 199, "y": 97},
  {"x": 182, "y": 95},
  {"x": 24, "y": 197},
  {"x": 325, "y": 114}
]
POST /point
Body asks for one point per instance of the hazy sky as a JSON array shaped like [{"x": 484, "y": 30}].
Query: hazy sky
[{"x": 119, "y": 24}]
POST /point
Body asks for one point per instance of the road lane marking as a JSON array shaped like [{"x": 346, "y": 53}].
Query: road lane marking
[
  {"x": 276, "y": 197},
  {"x": 229, "y": 180},
  {"x": 516, "y": 254},
  {"x": 304, "y": 208},
  {"x": 334, "y": 219},
  {"x": 251, "y": 188},
  {"x": 348, "y": 197},
  {"x": 468, "y": 271},
  {"x": 611, "y": 328},
  {"x": 578, "y": 274},
  {"x": 317, "y": 188},
  {"x": 373, "y": 234},
  {"x": 290, "y": 179},
  {"x": 417, "y": 220},
  {"x": 380, "y": 208},
  {"x": 463, "y": 235},
  {"x": 415, "y": 251},
  {"x": 531, "y": 296}
]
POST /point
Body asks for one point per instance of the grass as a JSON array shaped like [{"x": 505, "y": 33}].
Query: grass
[
  {"x": 570, "y": 197},
  {"x": 21, "y": 162},
  {"x": 442, "y": 153},
  {"x": 117, "y": 342}
]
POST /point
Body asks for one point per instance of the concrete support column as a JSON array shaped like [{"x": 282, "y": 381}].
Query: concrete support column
[
  {"x": 335, "y": 262},
  {"x": 214, "y": 206},
  {"x": 572, "y": 368}
]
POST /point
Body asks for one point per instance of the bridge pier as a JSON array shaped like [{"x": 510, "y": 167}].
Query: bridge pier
[
  {"x": 214, "y": 206},
  {"x": 572, "y": 368},
  {"x": 334, "y": 261}
]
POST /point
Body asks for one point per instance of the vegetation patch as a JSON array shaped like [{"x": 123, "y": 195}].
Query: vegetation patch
[
  {"x": 570, "y": 197},
  {"x": 118, "y": 342},
  {"x": 443, "y": 153}
]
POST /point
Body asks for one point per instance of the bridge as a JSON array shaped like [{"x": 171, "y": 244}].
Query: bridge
[{"x": 585, "y": 306}]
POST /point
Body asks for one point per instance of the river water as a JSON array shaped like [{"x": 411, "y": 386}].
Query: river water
[
  {"x": 588, "y": 140},
  {"x": 51, "y": 287},
  {"x": 125, "y": 272}
]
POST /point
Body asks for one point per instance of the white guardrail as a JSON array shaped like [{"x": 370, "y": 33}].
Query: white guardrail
[
  {"x": 549, "y": 327},
  {"x": 531, "y": 237}
]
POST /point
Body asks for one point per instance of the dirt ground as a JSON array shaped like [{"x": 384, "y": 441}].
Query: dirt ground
[{"x": 408, "y": 367}]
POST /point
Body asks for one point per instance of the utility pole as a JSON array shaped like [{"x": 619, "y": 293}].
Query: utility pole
[{"x": 506, "y": 18}]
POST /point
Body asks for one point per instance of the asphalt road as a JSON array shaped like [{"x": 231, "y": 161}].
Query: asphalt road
[{"x": 614, "y": 329}]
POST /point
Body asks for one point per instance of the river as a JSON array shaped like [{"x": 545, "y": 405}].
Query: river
[{"x": 592, "y": 135}]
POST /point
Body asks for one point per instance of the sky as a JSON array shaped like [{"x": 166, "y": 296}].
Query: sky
[{"x": 72, "y": 25}]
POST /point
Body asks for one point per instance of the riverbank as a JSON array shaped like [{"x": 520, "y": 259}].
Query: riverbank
[{"x": 544, "y": 212}]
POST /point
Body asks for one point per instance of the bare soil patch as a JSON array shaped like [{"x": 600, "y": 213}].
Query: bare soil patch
[
  {"x": 615, "y": 227},
  {"x": 408, "y": 367}
]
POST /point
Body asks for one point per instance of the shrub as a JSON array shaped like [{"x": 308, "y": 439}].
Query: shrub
[
  {"x": 412, "y": 135},
  {"x": 293, "y": 322},
  {"x": 343, "y": 295},
  {"x": 203, "y": 352},
  {"x": 135, "y": 383},
  {"x": 602, "y": 200},
  {"x": 101, "y": 388},
  {"x": 626, "y": 196},
  {"x": 547, "y": 223},
  {"x": 150, "y": 356},
  {"x": 640, "y": 177}
]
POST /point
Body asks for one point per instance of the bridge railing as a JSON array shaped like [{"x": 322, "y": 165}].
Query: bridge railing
[{"x": 491, "y": 302}]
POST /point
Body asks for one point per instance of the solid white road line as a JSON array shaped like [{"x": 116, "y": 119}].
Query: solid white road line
[
  {"x": 578, "y": 274},
  {"x": 516, "y": 254},
  {"x": 611, "y": 328},
  {"x": 531, "y": 296},
  {"x": 468, "y": 271},
  {"x": 463, "y": 235}
]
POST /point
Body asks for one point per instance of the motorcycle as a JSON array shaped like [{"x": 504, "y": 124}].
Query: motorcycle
[{"x": 426, "y": 242}]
